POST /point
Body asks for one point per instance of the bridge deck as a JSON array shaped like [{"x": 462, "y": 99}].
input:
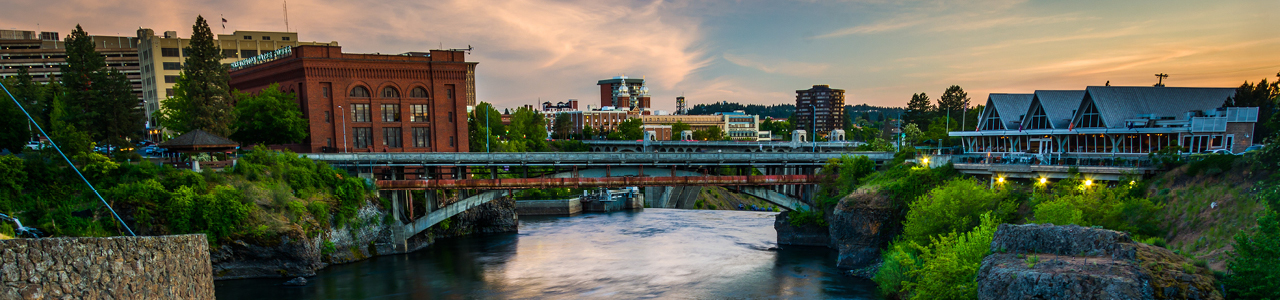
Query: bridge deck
[
  {"x": 586, "y": 158},
  {"x": 528, "y": 183}
]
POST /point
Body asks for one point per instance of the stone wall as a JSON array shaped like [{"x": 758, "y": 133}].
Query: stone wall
[{"x": 151, "y": 267}]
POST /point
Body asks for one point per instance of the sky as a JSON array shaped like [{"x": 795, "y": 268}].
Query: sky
[{"x": 759, "y": 52}]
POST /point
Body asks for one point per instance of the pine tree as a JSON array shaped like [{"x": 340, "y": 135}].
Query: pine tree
[
  {"x": 205, "y": 101},
  {"x": 79, "y": 76},
  {"x": 953, "y": 99},
  {"x": 919, "y": 108},
  {"x": 120, "y": 118},
  {"x": 13, "y": 124}
]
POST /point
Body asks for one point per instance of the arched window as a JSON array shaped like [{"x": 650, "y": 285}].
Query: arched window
[
  {"x": 359, "y": 92},
  {"x": 390, "y": 92},
  {"x": 418, "y": 92}
]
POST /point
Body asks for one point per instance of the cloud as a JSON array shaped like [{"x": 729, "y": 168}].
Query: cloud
[{"x": 777, "y": 66}]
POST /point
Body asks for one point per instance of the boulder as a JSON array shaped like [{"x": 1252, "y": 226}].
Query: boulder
[
  {"x": 807, "y": 235},
  {"x": 296, "y": 281},
  {"x": 861, "y": 224},
  {"x": 1072, "y": 262}
]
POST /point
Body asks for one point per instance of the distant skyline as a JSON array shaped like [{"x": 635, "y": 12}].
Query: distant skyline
[{"x": 752, "y": 52}]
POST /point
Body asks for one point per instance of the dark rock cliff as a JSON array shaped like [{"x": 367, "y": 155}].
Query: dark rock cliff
[
  {"x": 1072, "y": 262},
  {"x": 806, "y": 235}
]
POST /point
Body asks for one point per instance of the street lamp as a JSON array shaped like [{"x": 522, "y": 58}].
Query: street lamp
[{"x": 344, "y": 128}]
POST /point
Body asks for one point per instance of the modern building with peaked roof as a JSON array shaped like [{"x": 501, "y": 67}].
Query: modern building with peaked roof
[{"x": 1112, "y": 120}]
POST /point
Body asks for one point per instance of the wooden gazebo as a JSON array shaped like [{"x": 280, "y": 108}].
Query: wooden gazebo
[{"x": 199, "y": 141}]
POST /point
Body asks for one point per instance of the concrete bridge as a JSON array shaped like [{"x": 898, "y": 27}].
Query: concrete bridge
[
  {"x": 720, "y": 146},
  {"x": 587, "y": 159}
]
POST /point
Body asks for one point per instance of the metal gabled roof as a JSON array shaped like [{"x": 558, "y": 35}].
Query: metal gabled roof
[
  {"x": 1059, "y": 106},
  {"x": 1008, "y": 106},
  {"x": 1117, "y": 103}
]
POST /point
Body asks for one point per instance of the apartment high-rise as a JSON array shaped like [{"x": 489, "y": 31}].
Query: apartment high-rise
[
  {"x": 162, "y": 57},
  {"x": 819, "y": 109}
]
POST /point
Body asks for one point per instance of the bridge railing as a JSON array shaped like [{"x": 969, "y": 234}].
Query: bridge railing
[
  {"x": 571, "y": 158},
  {"x": 1077, "y": 160}
]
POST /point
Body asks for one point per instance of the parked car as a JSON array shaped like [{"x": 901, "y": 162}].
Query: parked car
[
  {"x": 1253, "y": 148},
  {"x": 35, "y": 145},
  {"x": 1220, "y": 151}
]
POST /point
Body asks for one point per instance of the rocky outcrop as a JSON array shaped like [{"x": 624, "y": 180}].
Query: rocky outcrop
[
  {"x": 145, "y": 267},
  {"x": 806, "y": 235},
  {"x": 861, "y": 224},
  {"x": 1072, "y": 262},
  {"x": 292, "y": 255},
  {"x": 497, "y": 216}
]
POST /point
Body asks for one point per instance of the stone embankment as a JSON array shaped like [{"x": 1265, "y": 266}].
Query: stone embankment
[
  {"x": 858, "y": 227},
  {"x": 370, "y": 233},
  {"x": 1072, "y": 262},
  {"x": 150, "y": 267}
]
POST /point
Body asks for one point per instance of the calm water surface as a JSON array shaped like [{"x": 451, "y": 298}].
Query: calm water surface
[{"x": 657, "y": 253}]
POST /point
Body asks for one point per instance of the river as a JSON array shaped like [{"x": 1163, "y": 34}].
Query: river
[{"x": 657, "y": 253}]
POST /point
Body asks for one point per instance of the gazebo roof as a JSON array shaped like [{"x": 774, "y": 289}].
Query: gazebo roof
[{"x": 199, "y": 141}]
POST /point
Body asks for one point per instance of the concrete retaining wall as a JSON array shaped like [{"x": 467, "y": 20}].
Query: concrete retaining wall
[
  {"x": 152, "y": 267},
  {"x": 560, "y": 207}
]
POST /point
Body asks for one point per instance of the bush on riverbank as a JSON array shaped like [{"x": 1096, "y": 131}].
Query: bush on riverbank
[{"x": 266, "y": 194}]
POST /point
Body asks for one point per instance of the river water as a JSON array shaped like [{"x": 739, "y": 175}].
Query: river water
[{"x": 657, "y": 253}]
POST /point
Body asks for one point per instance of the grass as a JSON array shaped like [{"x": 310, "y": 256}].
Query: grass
[{"x": 1031, "y": 261}]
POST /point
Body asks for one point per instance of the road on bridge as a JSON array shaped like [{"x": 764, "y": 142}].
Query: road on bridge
[{"x": 583, "y": 182}]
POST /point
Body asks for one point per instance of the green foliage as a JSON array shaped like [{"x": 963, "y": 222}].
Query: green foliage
[
  {"x": 841, "y": 177},
  {"x": 953, "y": 99},
  {"x": 1211, "y": 164},
  {"x": 528, "y": 130},
  {"x": 954, "y": 207},
  {"x": 95, "y": 165},
  {"x": 321, "y": 211},
  {"x": 900, "y": 262},
  {"x": 1113, "y": 208},
  {"x": 327, "y": 247},
  {"x": 904, "y": 183},
  {"x": 1169, "y": 156},
  {"x": 13, "y": 178},
  {"x": 627, "y": 130},
  {"x": 1255, "y": 265},
  {"x": 802, "y": 217},
  {"x": 72, "y": 141},
  {"x": 202, "y": 96},
  {"x": 1031, "y": 260},
  {"x": 547, "y": 194},
  {"x": 679, "y": 127},
  {"x": 486, "y": 127},
  {"x": 949, "y": 265},
  {"x": 562, "y": 126},
  {"x": 269, "y": 117},
  {"x": 1059, "y": 212},
  {"x": 570, "y": 146},
  {"x": 919, "y": 108}
]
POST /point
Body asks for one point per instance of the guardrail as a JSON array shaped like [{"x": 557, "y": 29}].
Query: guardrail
[
  {"x": 1128, "y": 161},
  {"x": 585, "y": 158}
]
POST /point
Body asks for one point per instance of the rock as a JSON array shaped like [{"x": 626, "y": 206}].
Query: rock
[
  {"x": 807, "y": 235},
  {"x": 861, "y": 224},
  {"x": 1072, "y": 262},
  {"x": 296, "y": 281}
]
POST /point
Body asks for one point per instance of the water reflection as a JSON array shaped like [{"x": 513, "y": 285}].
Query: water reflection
[{"x": 658, "y": 253}]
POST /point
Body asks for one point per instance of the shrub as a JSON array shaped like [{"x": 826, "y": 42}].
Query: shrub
[
  {"x": 321, "y": 211},
  {"x": 953, "y": 207},
  {"x": 950, "y": 264},
  {"x": 1211, "y": 164},
  {"x": 900, "y": 260},
  {"x": 801, "y": 218},
  {"x": 12, "y": 179},
  {"x": 1058, "y": 212},
  {"x": 1255, "y": 267}
]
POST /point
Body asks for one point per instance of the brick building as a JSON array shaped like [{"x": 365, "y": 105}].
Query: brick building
[
  {"x": 819, "y": 109},
  {"x": 413, "y": 102},
  {"x": 624, "y": 93}
]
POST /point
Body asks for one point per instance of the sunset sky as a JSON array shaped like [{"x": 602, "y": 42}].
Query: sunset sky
[{"x": 879, "y": 51}]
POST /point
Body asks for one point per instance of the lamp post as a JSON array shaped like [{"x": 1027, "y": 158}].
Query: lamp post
[{"x": 344, "y": 128}]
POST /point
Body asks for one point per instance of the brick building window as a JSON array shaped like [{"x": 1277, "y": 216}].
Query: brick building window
[
  {"x": 418, "y": 113},
  {"x": 326, "y": 116},
  {"x": 359, "y": 92},
  {"x": 324, "y": 92},
  {"x": 418, "y": 92},
  {"x": 390, "y": 112},
  {"x": 421, "y": 136},
  {"x": 390, "y": 92},
  {"x": 360, "y": 112},
  {"x": 361, "y": 136},
  {"x": 169, "y": 52},
  {"x": 391, "y": 137},
  {"x": 451, "y": 141}
]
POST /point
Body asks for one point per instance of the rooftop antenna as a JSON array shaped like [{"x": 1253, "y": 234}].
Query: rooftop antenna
[
  {"x": 1161, "y": 76},
  {"x": 286, "y": 16}
]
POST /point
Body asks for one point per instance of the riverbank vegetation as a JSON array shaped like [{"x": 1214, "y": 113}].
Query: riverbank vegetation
[
  {"x": 266, "y": 194},
  {"x": 1207, "y": 208}
]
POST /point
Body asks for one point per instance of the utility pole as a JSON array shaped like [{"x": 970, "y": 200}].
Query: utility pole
[
  {"x": 1161, "y": 76},
  {"x": 344, "y": 128}
]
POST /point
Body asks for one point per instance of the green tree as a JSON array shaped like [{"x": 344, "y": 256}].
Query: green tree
[
  {"x": 715, "y": 133},
  {"x": 950, "y": 264},
  {"x": 679, "y": 127},
  {"x": 64, "y": 133},
  {"x": 588, "y": 132},
  {"x": 202, "y": 97},
  {"x": 13, "y": 124},
  {"x": 563, "y": 126},
  {"x": 919, "y": 108},
  {"x": 82, "y": 70},
  {"x": 13, "y": 178},
  {"x": 1255, "y": 267},
  {"x": 1263, "y": 96},
  {"x": 629, "y": 129},
  {"x": 484, "y": 135},
  {"x": 269, "y": 117},
  {"x": 119, "y": 117},
  {"x": 953, "y": 207},
  {"x": 953, "y": 99},
  {"x": 529, "y": 128},
  {"x": 912, "y": 132}
]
